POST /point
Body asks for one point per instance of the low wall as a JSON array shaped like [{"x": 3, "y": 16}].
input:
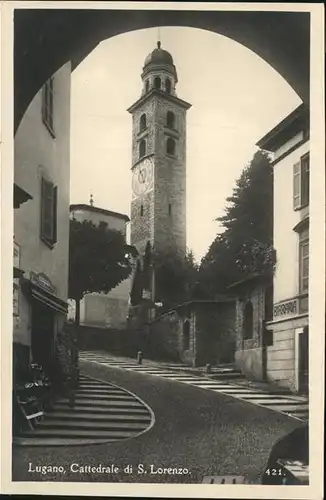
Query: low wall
[
  {"x": 215, "y": 333},
  {"x": 250, "y": 362},
  {"x": 164, "y": 337},
  {"x": 120, "y": 342}
]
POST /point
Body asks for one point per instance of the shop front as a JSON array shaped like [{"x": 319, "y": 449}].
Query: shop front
[
  {"x": 47, "y": 315},
  {"x": 289, "y": 353}
]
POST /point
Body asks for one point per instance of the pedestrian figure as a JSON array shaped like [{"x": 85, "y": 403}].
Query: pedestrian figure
[
  {"x": 139, "y": 358},
  {"x": 208, "y": 368}
]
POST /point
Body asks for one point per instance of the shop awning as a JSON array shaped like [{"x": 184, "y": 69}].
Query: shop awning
[
  {"x": 20, "y": 196},
  {"x": 48, "y": 299},
  {"x": 18, "y": 273}
]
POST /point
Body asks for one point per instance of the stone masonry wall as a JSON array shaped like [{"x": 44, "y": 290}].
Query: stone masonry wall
[
  {"x": 170, "y": 179},
  {"x": 249, "y": 357},
  {"x": 165, "y": 230},
  {"x": 215, "y": 333}
]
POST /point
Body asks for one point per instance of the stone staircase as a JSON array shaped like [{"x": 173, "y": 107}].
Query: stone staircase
[{"x": 101, "y": 412}]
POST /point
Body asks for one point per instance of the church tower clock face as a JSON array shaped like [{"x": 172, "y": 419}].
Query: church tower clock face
[
  {"x": 158, "y": 205},
  {"x": 142, "y": 177}
]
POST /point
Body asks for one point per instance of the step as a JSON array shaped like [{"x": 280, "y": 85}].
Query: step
[
  {"x": 101, "y": 392},
  {"x": 98, "y": 387},
  {"x": 140, "y": 410},
  {"x": 288, "y": 408},
  {"x": 78, "y": 433},
  {"x": 215, "y": 387},
  {"x": 200, "y": 382},
  {"x": 265, "y": 396},
  {"x": 109, "y": 426},
  {"x": 236, "y": 390},
  {"x": 297, "y": 404},
  {"x": 104, "y": 397},
  {"x": 104, "y": 404},
  {"x": 275, "y": 401},
  {"x": 100, "y": 397},
  {"x": 302, "y": 414},
  {"x": 111, "y": 417}
]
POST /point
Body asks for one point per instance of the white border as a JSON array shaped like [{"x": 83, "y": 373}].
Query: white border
[{"x": 317, "y": 268}]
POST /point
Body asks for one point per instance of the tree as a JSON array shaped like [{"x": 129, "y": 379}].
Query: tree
[
  {"x": 245, "y": 246},
  {"x": 249, "y": 214},
  {"x": 175, "y": 278},
  {"x": 136, "y": 293},
  {"x": 97, "y": 260}
]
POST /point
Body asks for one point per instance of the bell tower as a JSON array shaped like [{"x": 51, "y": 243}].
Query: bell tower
[{"x": 158, "y": 206}]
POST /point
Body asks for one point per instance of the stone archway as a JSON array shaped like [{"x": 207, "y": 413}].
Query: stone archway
[{"x": 45, "y": 39}]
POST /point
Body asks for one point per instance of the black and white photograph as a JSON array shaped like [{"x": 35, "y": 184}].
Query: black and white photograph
[{"x": 165, "y": 213}]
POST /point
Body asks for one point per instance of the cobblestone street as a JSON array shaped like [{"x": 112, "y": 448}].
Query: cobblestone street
[{"x": 196, "y": 431}]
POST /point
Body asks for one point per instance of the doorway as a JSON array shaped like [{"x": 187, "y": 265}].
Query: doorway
[
  {"x": 303, "y": 361},
  {"x": 42, "y": 341}
]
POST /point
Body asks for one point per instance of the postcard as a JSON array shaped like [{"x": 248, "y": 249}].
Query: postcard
[{"x": 162, "y": 272}]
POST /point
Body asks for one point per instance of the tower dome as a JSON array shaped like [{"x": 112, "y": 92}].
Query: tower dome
[{"x": 159, "y": 58}]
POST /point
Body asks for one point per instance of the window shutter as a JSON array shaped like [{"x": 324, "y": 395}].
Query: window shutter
[
  {"x": 296, "y": 185},
  {"x": 305, "y": 180},
  {"x": 55, "y": 204},
  {"x": 50, "y": 104},
  {"x": 47, "y": 103},
  {"x": 44, "y": 102},
  {"x": 304, "y": 266},
  {"x": 47, "y": 206}
]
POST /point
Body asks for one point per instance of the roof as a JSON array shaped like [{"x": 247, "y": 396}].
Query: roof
[
  {"x": 159, "y": 59},
  {"x": 91, "y": 208},
  {"x": 251, "y": 278},
  {"x": 170, "y": 97},
  {"x": 194, "y": 303},
  {"x": 295, "y": 122},
  {"x": 221, "y": 300},
  {"x": 159, "y": 56}
]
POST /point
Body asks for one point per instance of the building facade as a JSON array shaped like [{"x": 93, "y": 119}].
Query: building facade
[
  {"x": 196, "y": 333},
  {"x": 287, "y": 356},
  {"x": 100, "y": 309},
  {"x": 100, "y": 216},
  {"x": 158, "y": 207},
  {"x": 41, "y": 225},
  {"x": 254, "y": 304}
]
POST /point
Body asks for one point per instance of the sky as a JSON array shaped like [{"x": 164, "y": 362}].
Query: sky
[{"x": 236, "y": 98}]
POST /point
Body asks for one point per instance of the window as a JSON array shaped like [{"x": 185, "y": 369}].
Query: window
[
  {"x": 143, "y": 124},
  {"x": 141, "y": 210},
  {"x": 157, "y": 83},
  {"x": 168, "y": 86},
  {"x": 142, "y": 148},
  {"x": 47, "y": 105},
  {"x": 170, "y": 119},
  {"x": 147, "y": 86},
  {"x": 304, "y": 261},
  {"x": 170, "y": 146},
  {"x": 301, "y": 182},
  {"x": 48, "y": 212},
  {"x": 248, "y": 320}
]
